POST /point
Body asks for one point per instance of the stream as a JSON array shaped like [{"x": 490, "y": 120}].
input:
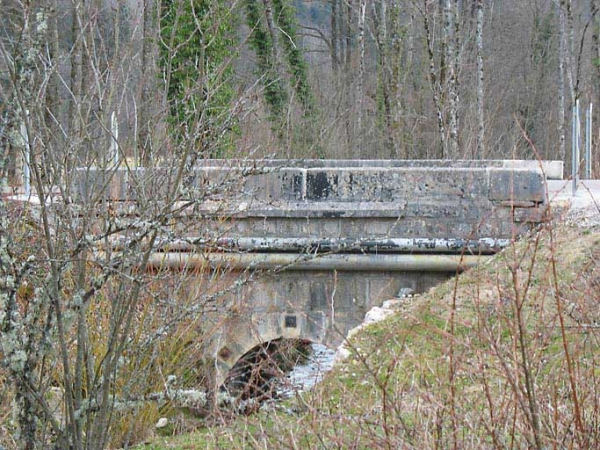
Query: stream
[{"x": 305, "y": 375}]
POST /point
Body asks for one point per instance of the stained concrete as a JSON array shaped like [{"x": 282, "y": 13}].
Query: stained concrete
[
  {"x": 317, "y": 200},
  {"x": 321, "y": 308},
  {"x": 465, "y": 200}
]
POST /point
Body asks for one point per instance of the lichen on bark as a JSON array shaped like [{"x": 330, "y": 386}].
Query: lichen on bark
[{"x": 18, "y": 326}]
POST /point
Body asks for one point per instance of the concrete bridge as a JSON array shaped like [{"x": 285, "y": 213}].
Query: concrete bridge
[{"x": 318, "y": 243}]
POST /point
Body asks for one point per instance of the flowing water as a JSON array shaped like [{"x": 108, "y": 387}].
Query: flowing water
[{"x": 305, "y": 375}]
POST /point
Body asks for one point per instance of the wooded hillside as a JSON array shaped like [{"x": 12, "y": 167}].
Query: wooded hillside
[
  {"x": 88, "y": 337},
  {"x": 334, "y": 79}
]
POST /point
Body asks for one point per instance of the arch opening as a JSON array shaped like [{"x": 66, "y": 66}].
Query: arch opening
[{"x": 262, "y": 373}]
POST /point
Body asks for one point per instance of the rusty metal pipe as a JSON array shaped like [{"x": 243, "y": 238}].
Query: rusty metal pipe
[
  {"x": 286, "y": 261},
  {"x": 337, "y": 245}
]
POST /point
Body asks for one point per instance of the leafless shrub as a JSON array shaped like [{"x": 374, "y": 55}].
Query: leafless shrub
[{"x": 94, "y": 346}]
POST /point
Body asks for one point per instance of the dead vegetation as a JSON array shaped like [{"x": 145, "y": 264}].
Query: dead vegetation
[{"x": 504, "y": 356}]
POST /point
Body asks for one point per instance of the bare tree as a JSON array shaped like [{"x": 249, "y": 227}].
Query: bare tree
[
  {"x": 335, "y": 35},
  {"x": 144, "y": 143},
  {"x": 75, "y": 300},
  {"x": 450, "y": 66},
  {"x": 436, "y": 85},
  {"x": 595, "y": 58},
  {"x": 561, "y": 80},
  {"x": 481, "y": 150},
  {"x": 361, "y": 16},
  {"x": 566, "y": 17}
]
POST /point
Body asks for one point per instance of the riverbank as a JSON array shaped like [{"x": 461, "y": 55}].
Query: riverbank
[{"x": 504, "y": 355}]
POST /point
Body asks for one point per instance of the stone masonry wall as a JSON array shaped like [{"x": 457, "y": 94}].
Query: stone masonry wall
[{"x": 468, "y": 201}]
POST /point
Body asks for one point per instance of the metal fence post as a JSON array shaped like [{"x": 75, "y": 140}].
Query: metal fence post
[
  {"x": 588, "y": 143},
  {"x": 575, "y": 147}
]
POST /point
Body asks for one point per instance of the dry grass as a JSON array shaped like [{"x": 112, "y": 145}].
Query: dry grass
[{"x": 501, "y": 357}]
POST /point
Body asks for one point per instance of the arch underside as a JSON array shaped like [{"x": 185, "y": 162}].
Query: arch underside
[
  {"x": 242, "y": 334},
  {"x": 321, "y": 307}
]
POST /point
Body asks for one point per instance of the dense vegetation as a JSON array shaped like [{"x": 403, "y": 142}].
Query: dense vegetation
[
  {"x": 113, "y": 85},
  {"x": 402, "y": 79}
]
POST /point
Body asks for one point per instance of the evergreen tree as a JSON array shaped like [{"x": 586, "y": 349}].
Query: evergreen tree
[
  {"x": 197, "y": 39},
  {"x": 281, "y": 68},
  {"x": 284, "y": 15},
  {"x": 275, "y": 91}
]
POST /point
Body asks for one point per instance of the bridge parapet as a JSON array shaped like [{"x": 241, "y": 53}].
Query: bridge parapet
[
  {"x": 553, "y": 170},
  {"x": 350, "y": 199}
]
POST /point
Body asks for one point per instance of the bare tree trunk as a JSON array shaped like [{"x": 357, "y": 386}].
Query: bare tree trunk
[
  {"x": 398, "y": 73},
  {"x": 567, "y": 17},
  {"x": 273, "y": 33},
  {"x": 76, "y": 66},
  {"x": 410, "y": 50},
  {"x": 561, "y": 83},
  {"x": 347, "y": 80},
  {"x": 452, "y": 59},
  {"x": 596, "y": 67},
  {"x": 406, "y": 83},
  {"x": 348, "y": 34},
  {"x": 362, "y": 9},
  {"x": 53, "y": 97},
  {"x": 335, "y": 35},
  {"x": 436, "y": 88},
  {"x": 481, "y": 151},
  {"x": 144, "y": 141},
  {"x": 385, "y": 61},
  {"x": 112, "y": 83}
]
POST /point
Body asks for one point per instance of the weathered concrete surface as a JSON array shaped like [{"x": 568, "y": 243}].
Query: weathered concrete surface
[
  {"x": 337, "y": 184},
  {"x": 553, "y": 170},
  {"x": 301, "y": 292},
  {"x": 321, "y": 308},
  {"x": 465, "y": 200}
]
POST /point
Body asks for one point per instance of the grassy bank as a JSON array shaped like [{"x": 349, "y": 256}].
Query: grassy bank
[{"x": 504, "y": 356}]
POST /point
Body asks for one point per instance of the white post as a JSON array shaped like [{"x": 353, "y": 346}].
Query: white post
[
  {"x": 114, "y": 144},
  {"x": 588, "y": 143},
  {"x": 26, "y": 150}
]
